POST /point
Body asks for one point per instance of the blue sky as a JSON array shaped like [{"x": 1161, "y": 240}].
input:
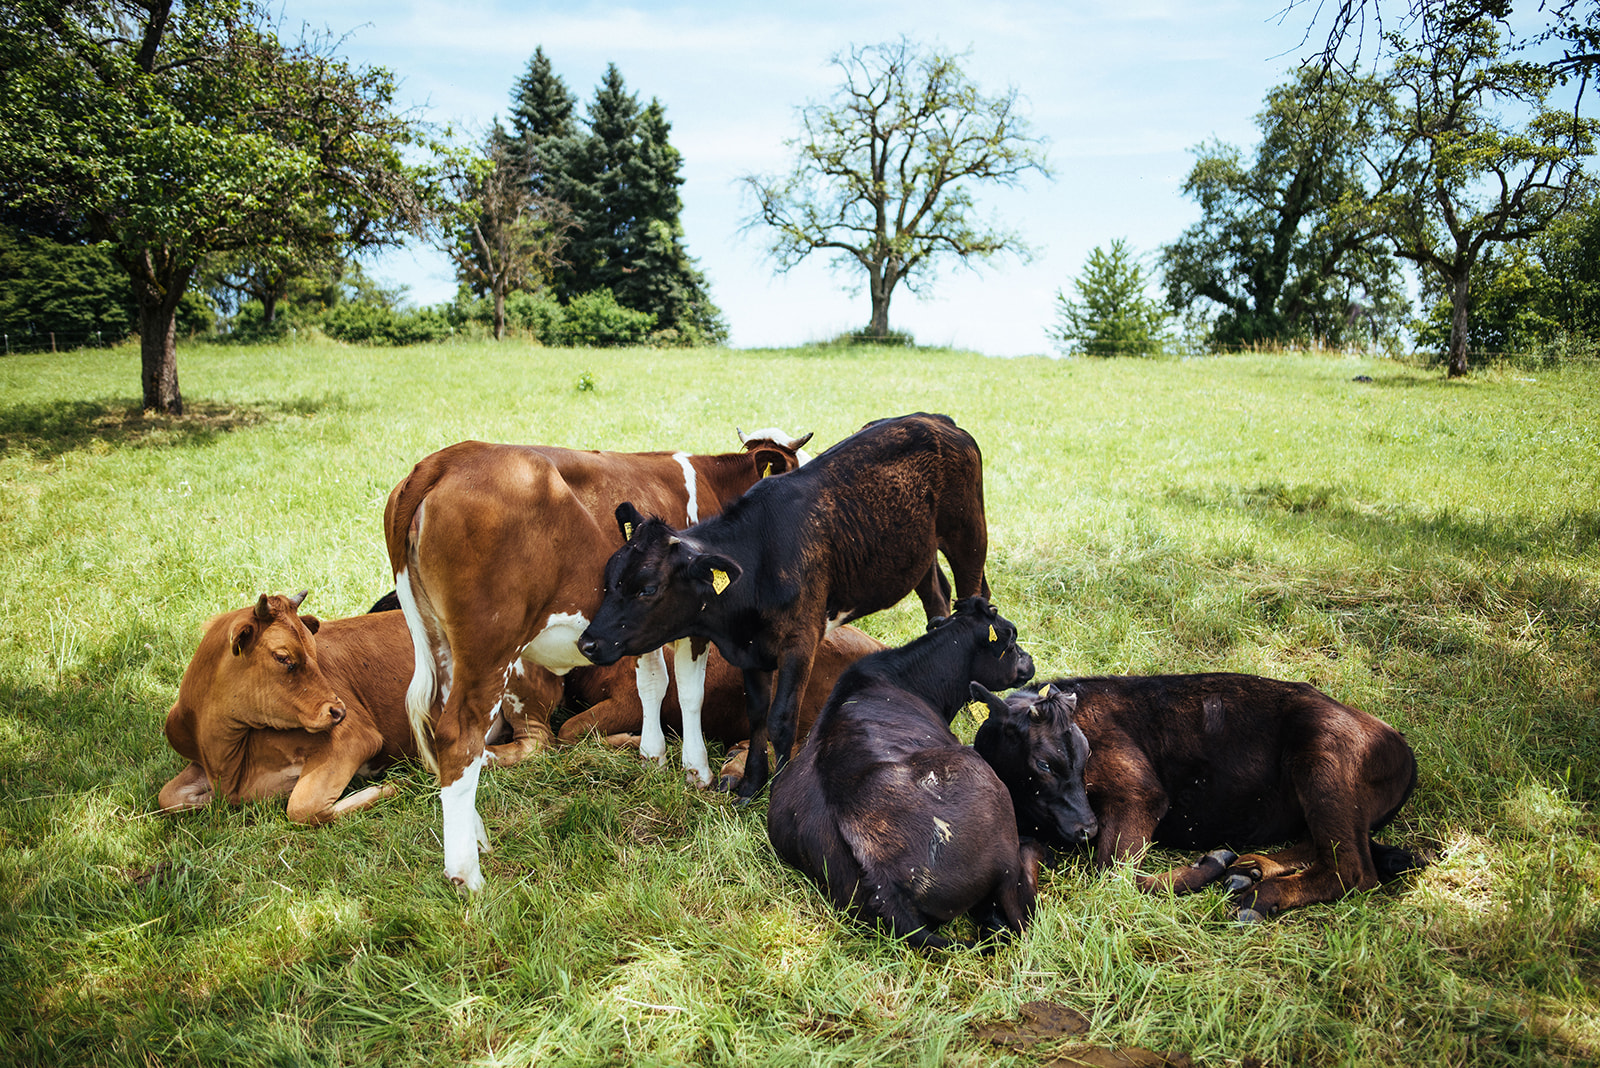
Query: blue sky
[{"x": 1122, "y": 90}]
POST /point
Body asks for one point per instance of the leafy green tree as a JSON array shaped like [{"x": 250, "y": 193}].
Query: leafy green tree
[
  {"x": 885, "y": 172},
  {"x": 1271, "y": 254},
  {"x": 1113, "y": 315},
  {"x": 73, "y": 291},
  {"x": 1473, "y": 177},
  {"x": 500, "y": 233},
  {"x": 174, "y": 133},
  {"x": 621, "y": 183}
]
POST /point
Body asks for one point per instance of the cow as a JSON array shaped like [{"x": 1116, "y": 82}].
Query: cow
[
  {"x": 1225, "y": 761},
  {"x": 848, "y": 534},
  {"x": 609, "y": 702},
  {"x": 899, "y": 823},
  {"x": 497, "y": 553},
  {"x": 275, "y": 702}
]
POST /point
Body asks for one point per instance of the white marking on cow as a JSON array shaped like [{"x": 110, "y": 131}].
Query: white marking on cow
[
  {"x": 836, "y": 621},
  {"x": 942, "y": 829},
  {"x": 464, "y": 835},
  {"x": 691, "y": 674},
  {"x": 424, "y": 677},
  {"x": 690, "y": 486},
  {"x": 555, "y": 648},
  {"x": 650, "y": 677}
]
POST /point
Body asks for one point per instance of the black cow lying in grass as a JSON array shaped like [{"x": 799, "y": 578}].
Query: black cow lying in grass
[
  {"x": 886, "y": 810},
  {"x": 1225, "y": 761}
]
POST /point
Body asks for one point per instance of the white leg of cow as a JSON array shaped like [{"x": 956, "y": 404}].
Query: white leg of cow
[
  {"x": 691, "y": 696},
  {"x": 650, "y": 675},
  {"x": 464, "y": 835}
]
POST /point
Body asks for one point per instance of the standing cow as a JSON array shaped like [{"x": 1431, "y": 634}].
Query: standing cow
[
  {"x": 848, "y": 534},
  {"x": 898, "y": 822},
  {"x": 498, "y": 552},
  {"x": 1223, "y": 761}
]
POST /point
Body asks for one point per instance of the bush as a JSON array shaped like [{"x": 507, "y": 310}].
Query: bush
[
  {"x": 596, "y": 319},
  {"x": 373, "y": 324}
]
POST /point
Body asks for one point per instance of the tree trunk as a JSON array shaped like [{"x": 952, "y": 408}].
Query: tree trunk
[
  {"x": 879, "y": 287},
  {"x": 499, "y": 314},
  {"x": 158, "y": 357},
  {"x": 1458, "y": 324}
]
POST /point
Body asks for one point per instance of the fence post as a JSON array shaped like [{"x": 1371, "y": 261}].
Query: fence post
[{"x": 52, "y": 341}]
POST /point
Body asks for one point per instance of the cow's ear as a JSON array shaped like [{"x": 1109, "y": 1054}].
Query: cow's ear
[
  {"x": 240, "y": 635},
  {"x": 998, "y": 709},
  {"x": 628, "y": 519},
  {"x": 772, "y": 462},
  {"x": 716, "y": 571},
  {"x": 312, "y": 623}
]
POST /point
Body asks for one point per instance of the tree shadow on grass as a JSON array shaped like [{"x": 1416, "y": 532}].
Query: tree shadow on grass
[{"x": 51, "y": 429}]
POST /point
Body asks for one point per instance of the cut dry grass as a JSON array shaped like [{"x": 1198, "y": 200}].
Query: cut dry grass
[{"x": 1428, "y": 551}]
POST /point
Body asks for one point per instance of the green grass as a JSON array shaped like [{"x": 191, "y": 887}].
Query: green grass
[{"x": 1427, "y": 550}]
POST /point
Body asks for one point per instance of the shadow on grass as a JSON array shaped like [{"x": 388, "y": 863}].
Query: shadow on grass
[{"x": 52, "y": 429}]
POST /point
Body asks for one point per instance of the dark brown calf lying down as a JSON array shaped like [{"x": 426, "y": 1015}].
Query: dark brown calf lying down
[{"x": 1226, "y": 762}]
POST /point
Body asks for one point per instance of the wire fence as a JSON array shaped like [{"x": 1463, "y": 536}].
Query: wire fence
[{"x": 58, "y": 340}]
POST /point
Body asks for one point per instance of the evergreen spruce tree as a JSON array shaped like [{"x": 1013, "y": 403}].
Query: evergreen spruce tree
[
  {"x": 542, "y": 127},
  {"x": 622, "y": 186}
]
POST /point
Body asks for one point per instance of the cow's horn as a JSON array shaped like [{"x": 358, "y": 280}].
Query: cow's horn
[
  {"x": 263, "y": 610},
  {"x": 294, "y": 602}
]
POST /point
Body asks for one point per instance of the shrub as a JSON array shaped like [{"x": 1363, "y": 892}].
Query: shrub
[
  {"x": 596, "y": 319},
  {"x": 373, "y": 324}
]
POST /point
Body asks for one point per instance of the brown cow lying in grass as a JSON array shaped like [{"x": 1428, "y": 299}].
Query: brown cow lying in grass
[
  {"x": 1225, "y": 761},
  {"x": 274, "y": 703}
]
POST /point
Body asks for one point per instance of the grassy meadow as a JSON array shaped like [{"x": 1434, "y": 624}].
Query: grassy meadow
[{"x": 1426, "y": 550}]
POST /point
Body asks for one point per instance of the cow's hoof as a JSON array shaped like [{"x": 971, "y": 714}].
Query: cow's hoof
[
  {"x": 696, "y": 779},
  {"x": 1239, "y": 881},
  {"x": 1248, "y": 915},
  {"x": 1223, "y": 856}
]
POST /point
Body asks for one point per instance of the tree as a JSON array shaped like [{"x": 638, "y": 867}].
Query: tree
[
  {"x": 884, "y": 174},
  {"x": 1113, "y": 315},
  {"x": 177, "y": 133},
  {"x": 1270, "y": 252},
  {"x": 500, "y": 233},
  {"x": 621, "y": 183},
  {"x": 1474, "y": 178},
  {"x": 542, "y": 126}
]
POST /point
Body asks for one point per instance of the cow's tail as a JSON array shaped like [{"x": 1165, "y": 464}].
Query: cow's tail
[{"x": 424, "y": 688}]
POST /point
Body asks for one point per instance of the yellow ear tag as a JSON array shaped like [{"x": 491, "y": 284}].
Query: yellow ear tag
[
  {"x": 767, "y": 470},
  {"x": 627, "y": 532},
  {"x": 1045, "y": 692},
  {"x": 719, "y": 580},
  {"x": 978, "y": 711},
  {"x": 992, "y": 635}
]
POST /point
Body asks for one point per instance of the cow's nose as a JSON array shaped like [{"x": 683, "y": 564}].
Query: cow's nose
[
  {"x": 336, "y": 713},
  {"x": 587, "y": 647}
]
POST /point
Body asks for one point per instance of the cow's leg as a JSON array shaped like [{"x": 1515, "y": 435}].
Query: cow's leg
[
  {"x": 691, "y": 676},
  {"x": 1129, "y": 801},
  {"x": 933, "y": 590},
  {"x": 1339, "y": 814},
  {"x": 965, "y": 544},
  {"x": 794, "y": 672},
  {"x": 188, "y": 789},
  {"x": 757, "y": 692},
  {"x": 328, "y": 771},
  {"x": 1251, "y": 868},
  {"x": 459, "y": 736},
  {"x": 733, "y": 766},
  {"x": 532, "y": 693},
  {"x": 650, "y": 676}
]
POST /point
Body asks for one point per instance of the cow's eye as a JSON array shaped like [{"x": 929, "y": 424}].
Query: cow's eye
[
  {"x": 646, "y": 591},
  {"x": 1043, "y": 765},
  {"x": 287, "y": 661}
]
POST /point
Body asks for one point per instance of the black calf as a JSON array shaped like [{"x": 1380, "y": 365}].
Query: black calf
[{"x": 886, "y": 810}]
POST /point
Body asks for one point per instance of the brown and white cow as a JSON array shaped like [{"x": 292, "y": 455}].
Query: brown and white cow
[
  {"x": 498, "y": 553},
  {"x": 274, "y": 702}
]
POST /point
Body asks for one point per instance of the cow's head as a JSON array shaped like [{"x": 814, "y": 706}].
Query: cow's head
[
  {"x": 1032, "y": 741},
  {"x": 655, "y": 587},
  {"x": 257, "y": 667},
  {"x": 773, "y": 451},
  {"x": 996, "y": 660}
]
